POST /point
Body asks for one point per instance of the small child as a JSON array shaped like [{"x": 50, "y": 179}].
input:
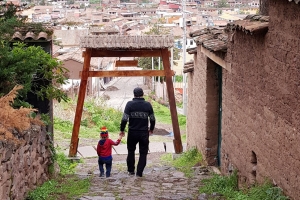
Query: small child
[{"x": 104, "y": 151}]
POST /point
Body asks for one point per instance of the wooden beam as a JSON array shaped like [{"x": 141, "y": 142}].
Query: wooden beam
[
  {"x": 80, "y": 102},
  {"x": 126, "y": 63},
  {"x": 127, "y": 73},
  {"x": 171, "y": 95},
  {"x": 125, "y": 53},
  {"x": 216, "y": 59}
]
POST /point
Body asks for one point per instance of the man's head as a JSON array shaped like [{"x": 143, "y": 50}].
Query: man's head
[
  {"x": 138, "y": 92},
  {"x": 103, "y": 132}
]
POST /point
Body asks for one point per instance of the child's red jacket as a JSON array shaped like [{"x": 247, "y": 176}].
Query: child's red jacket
[{"x": 104, "y": 147}]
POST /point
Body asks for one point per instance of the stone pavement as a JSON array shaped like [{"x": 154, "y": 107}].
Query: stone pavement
[{"x": 159, "y": 182}]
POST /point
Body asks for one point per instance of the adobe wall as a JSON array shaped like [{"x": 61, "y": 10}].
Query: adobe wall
[
  {"x": 261, "y": 97},
  {"x": 24, "y": 167},
  {"x": 202, "y": 117},
  {"x": 70, "y": 37}
]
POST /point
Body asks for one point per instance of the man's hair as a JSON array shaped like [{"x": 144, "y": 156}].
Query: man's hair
[{"x": 138, "y": 92}]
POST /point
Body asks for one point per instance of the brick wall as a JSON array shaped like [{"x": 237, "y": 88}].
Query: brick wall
[
  {"x": 196, "y": 126},
  {"x": 203, "y": 108},
  {"x": 260, "y": 103}
]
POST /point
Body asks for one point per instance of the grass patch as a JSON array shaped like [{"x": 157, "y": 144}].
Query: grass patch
[
  {"x": 228, "y": 187},
  {"x": 183, "y": 138},
  {"x": 96, "y": 114},
  {"x": 66, "y": 165},
  {"x": 163, "y": 114},
  {"x": 184, "y": 162},
  {"x": 65, "y": 186}
]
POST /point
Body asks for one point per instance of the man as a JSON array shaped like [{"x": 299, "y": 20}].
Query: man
[{"x": 138, "y": 113}]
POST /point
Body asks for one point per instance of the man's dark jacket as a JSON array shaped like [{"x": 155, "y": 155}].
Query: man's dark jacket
[{"x": 138, "y": 112}]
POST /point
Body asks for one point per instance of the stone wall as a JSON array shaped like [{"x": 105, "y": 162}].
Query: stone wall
[{"x": 24, "y": 166}]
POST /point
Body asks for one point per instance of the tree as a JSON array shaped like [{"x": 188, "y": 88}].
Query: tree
[
  {"x": 223, "y": 4},
  {"x": 146, "y": 63},
  {"x": 27, "y": 66},
  {"x": 42, "y": 2}
]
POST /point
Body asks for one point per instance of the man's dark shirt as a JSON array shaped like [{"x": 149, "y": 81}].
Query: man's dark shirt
[{"x": 138, "y": 112}]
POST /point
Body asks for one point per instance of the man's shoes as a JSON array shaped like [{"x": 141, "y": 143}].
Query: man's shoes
[
  {"x": 131, "y": 173},
  {"x": 139, "y": 175},
  {"x": 101, "y": 175}
]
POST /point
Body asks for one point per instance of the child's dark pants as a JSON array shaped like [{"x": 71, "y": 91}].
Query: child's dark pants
[{"x": 107, "y": 163}]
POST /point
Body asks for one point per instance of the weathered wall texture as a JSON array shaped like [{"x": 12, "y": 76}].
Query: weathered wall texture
[
  {"x": 203, "y": 108},
  {"x": 196, "y": 127},
  {"x": 70, "y": 37},
  {"x": 244, "y": 131},
  {"x": 24, "y": 167},
  {"x": 260, "y": 124},
  {"x": 260, "y": 101}
]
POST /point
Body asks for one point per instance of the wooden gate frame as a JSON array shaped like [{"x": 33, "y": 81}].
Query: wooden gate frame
[{"x": 86, "y": 73}]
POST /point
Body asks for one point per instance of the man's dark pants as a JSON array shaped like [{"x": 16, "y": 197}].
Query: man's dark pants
[{"x": 132, "y": 139}]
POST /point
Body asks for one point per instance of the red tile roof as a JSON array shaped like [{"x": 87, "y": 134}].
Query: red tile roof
[
  {"x": 252, "y": 24},
  {"x": 31, "y": 36},
  {"x": 211, "y": 38}
]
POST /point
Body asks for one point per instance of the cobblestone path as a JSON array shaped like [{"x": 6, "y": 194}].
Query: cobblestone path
[{"x": 159, "y": 182}]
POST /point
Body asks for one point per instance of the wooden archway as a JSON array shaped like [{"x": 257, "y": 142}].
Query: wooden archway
[{"x": 126, "y": 46}]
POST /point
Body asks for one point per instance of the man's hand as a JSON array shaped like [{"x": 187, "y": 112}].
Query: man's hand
[
  {"x": 150, "y": 132},
  {"x": 122, "y": 134}
]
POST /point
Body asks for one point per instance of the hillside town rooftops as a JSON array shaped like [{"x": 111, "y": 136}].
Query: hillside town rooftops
[
  {"x": 104, "y": 29},
  {"x": 252, "y": 24},
  {"x": 127, "y": 42},
  {"x": 75, "y": 54}
]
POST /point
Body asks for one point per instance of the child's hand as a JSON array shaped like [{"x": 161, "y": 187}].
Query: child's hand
[{"x": 120, "y": 137}]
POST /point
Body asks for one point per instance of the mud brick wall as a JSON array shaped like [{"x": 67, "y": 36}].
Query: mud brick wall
[
  {"x": 196, "y": 109},
  {"x": 261, "y": 96},
  {"x": 24, "y": 167},
  {"x": 202, "y": 118}
]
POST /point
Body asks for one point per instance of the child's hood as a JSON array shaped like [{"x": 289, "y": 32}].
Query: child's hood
[{"x": 101, "y": 142}]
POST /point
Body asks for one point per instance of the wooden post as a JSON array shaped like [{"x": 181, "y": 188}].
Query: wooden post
[
  {"x": 171, "y": 95},
  {"x": 80, "y": 102}
]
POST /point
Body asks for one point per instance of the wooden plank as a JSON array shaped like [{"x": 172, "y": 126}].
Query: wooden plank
[
  {"x": 216, "y": 59},
  {"x": 80, "y": 102},
  {"x": 126, "y": 63},
  {"x": 171, "y": 95},
  {"x": 127, "y": 73},
  {"x": 125, "y": 53}
]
